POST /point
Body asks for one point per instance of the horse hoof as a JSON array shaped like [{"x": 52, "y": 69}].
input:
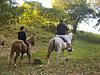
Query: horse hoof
[{"x": 66, "y": 59}]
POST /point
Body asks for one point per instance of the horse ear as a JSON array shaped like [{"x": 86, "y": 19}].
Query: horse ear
[{"x": 33, "y": 36}]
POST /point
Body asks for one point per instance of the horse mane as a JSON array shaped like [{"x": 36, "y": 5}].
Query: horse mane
[
  {"x": 71, "y": 35},
  {"x": 29, "y": 38}
]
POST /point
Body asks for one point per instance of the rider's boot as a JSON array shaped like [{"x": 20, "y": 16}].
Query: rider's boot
[{"x": 69, "y": 48}]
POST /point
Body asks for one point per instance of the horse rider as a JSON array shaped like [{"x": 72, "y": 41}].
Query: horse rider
[
  {"x": 22, "y": 36},
  {"x": 62, "y": 30}
]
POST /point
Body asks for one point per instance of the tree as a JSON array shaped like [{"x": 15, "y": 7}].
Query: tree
[
  {"x": 97, "y": 7},
  {"x": 7, "y": 11},
  {"x": 35, "y": 14},
  {"x": 30, "y": 14},
  {"x": 72, "y": 11},
  {"x": 98, "y": 3},
  {"x": 76, "y": 11}
]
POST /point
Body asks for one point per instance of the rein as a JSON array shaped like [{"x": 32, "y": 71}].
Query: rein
[{"x": 29, "y": 41}]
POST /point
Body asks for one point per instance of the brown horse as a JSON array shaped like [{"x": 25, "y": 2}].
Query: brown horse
[{"x": 19, "y": 47}]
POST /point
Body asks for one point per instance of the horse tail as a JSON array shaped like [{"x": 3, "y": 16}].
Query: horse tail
[
  {"x": 50, "y": 47},
  {"x": 12, "y": 52}
]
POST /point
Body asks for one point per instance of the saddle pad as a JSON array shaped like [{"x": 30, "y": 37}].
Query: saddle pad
[{"x": 63, "y": 39}]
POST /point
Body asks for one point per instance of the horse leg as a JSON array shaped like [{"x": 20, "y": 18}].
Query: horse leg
[
  {"x": 21, "y": 57},
  {"x": 17, "y": 54},
  {"x": 48, "y": 60},
  {"x": 63, "y": 56},
  {"x": 48, "y": 55},
  {"x": 57, "y": 60},
  {"x": 68, "y": 56},
  {"x": 11, "y": 55},
  {"x": 28, "y": 53}
]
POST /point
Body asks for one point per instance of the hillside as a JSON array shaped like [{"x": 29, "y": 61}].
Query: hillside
[{"x": 85, "y": 60}]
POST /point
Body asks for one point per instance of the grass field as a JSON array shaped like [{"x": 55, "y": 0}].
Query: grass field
[{"x": 85, "y": 60}]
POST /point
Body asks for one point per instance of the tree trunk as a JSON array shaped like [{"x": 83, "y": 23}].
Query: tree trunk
[
  {"x": 75, "y": 25},
  {"x": 74, "y": 28}
]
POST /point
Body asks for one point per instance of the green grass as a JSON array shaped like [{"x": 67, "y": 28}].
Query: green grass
[{"x": 85, "y": 60}]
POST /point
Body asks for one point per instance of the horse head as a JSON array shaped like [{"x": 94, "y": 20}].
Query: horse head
[
  {"x": 70, "y": 35},
  {"x": 31, "y": 40}
]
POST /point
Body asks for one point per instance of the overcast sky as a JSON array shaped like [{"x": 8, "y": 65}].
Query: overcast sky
[{"x": 45, "y": 3}]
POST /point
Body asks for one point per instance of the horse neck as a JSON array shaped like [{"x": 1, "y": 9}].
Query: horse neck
[
  {"x": 29, "y": 40},
  {"x": 70, "y": 35}
]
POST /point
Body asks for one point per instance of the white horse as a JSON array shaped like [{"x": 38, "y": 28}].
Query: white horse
[{"x": 58, "y": 45}]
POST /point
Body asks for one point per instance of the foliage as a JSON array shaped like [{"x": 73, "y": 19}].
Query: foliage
[
  {"x": 98, "y": 3},
  {"x": 76, "y": 11},
  {"x": 8, "y": 12},
  {"x": 33, "y": 14},
  {"x": 85, "y": 58}
]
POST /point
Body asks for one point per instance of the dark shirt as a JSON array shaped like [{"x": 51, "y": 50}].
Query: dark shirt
[
  {"x": 62, "y": 29},
  {"x": 22, "y": 35}
]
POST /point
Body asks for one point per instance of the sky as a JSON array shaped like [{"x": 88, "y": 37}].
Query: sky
[
  {"x": 45, "y": 3},
  {"x": 88, "y": 26}
]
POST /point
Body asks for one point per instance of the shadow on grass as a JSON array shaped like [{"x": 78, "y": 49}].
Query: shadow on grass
[{"x": 37, "y": 61}]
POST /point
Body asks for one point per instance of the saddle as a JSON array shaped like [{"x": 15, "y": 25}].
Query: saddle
[
  {"x": 69, "y": 49},
  {"x": 21, "y": 43},
  {"x": 63, "y": 39}
]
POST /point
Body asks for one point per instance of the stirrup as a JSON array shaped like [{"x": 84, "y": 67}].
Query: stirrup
[{"x": 69, "y": 49}]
